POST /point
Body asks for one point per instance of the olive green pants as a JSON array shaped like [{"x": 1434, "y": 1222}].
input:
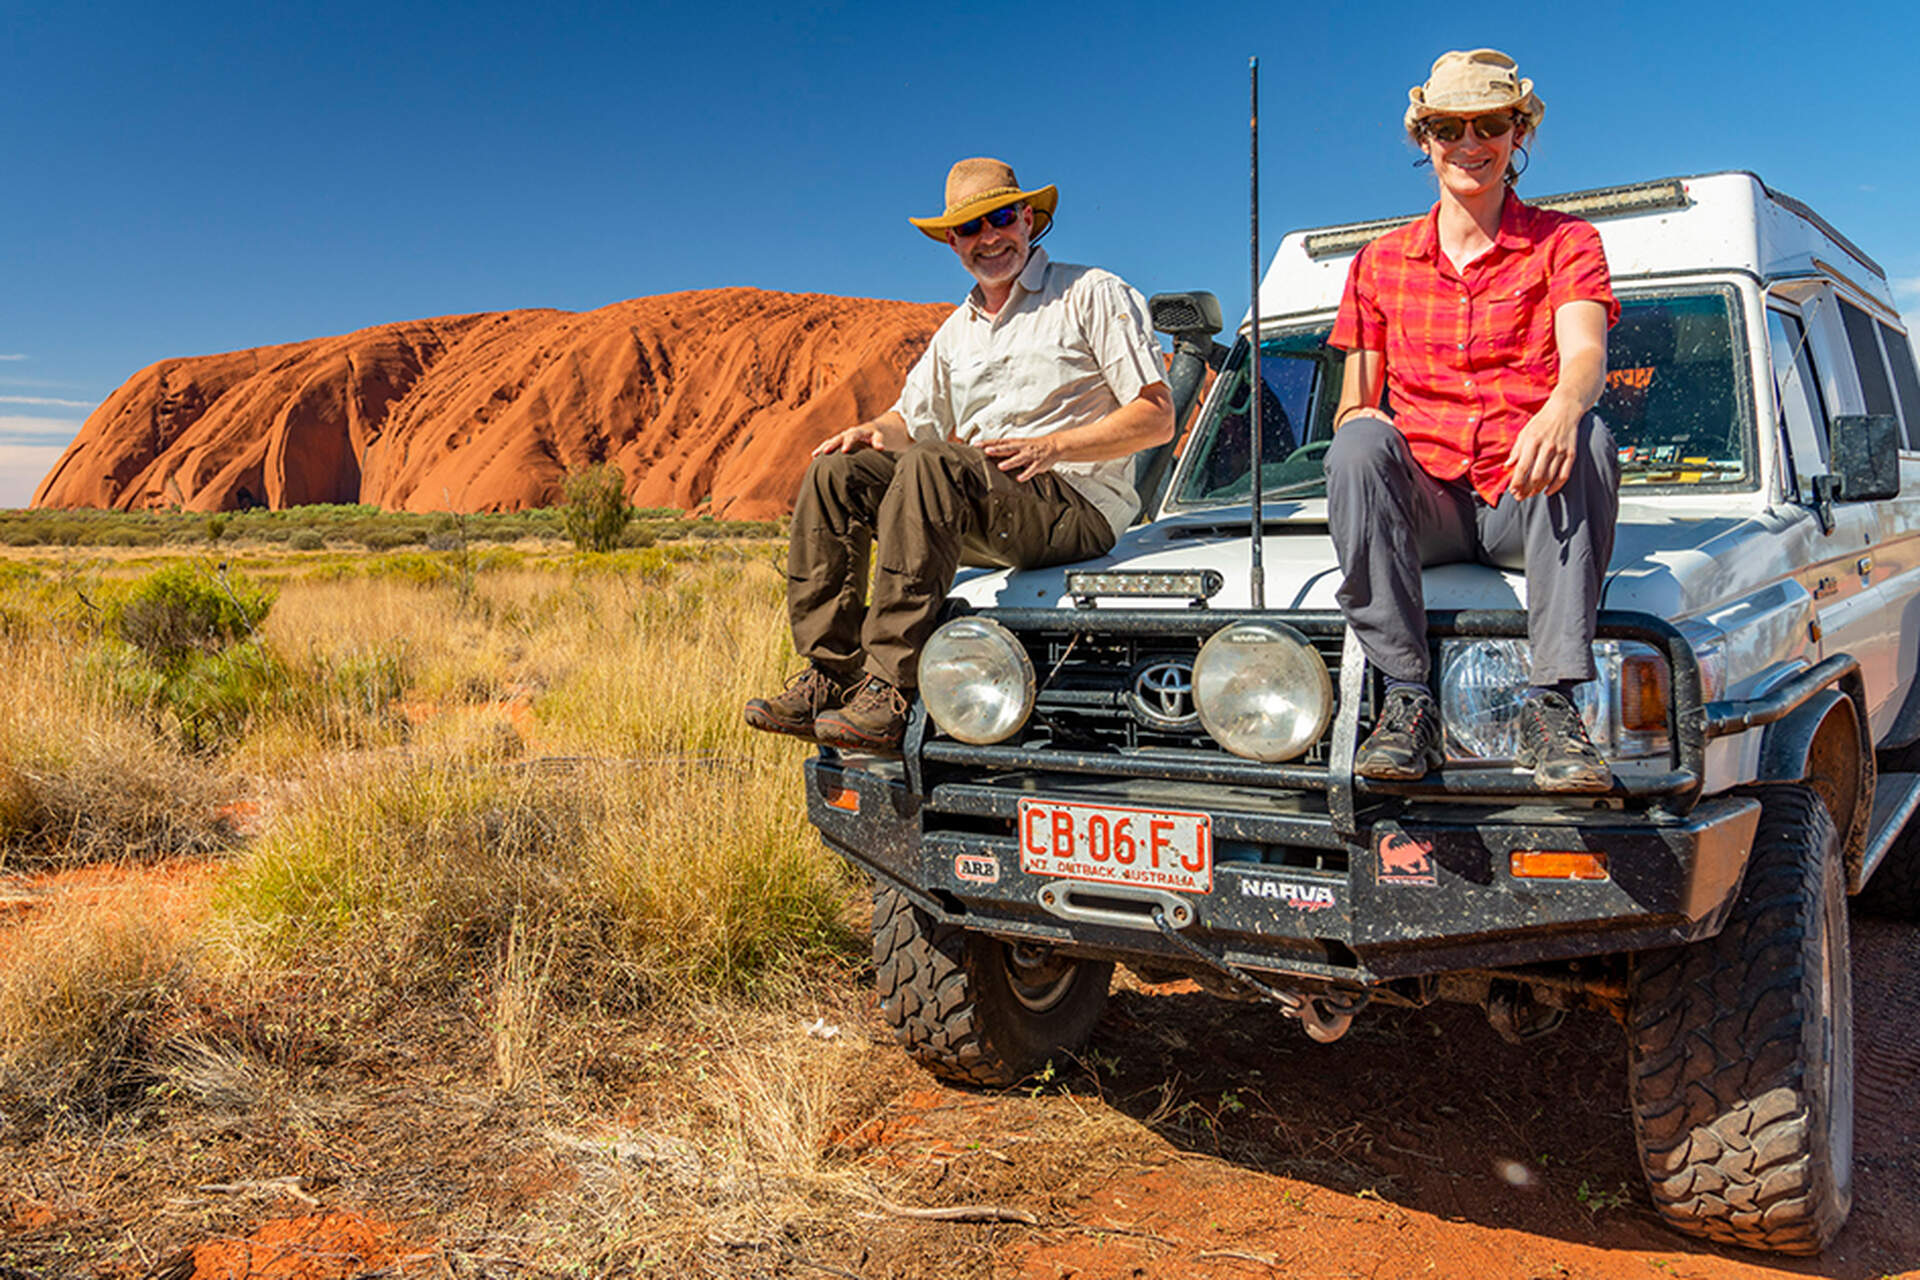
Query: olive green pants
[{"x": 931, "y": 509}]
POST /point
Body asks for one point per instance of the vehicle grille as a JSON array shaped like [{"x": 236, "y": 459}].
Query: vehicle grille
[{"x": 1089, "y": 697}]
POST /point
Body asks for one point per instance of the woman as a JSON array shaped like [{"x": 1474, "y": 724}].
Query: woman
[{"x": 1485, "y": 323}]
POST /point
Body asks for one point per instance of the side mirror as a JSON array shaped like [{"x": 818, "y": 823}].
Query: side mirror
[{"x": 1864, "y": 452}]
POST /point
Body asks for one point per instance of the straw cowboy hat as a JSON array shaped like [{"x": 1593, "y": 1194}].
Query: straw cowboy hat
[
  {"x": 981, "y": 185},
  {"x": 1469, "y": 82}
]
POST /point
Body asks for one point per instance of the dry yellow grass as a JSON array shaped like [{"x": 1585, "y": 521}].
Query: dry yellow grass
[
  {"x": 662, "y": 841},
  {"x": 80, "y": 995},
  {"x": 550, "y": 815},
  {"x": 83, "y": 778}
]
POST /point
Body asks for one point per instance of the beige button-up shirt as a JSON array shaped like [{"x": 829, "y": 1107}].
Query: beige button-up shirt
[{"x": 1071, "y": 345}]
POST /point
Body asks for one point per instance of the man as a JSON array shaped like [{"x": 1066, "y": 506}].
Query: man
[
  {"x": 1486, "y": 324},
  {"x": 1008, "y": 446}
]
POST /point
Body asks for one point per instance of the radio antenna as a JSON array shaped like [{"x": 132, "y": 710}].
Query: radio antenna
[{"x": 1256, "y": 376}]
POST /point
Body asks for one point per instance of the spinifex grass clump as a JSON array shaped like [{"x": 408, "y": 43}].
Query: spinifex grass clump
[
  {"x": 83, "y": 777},
  {"x": 646, "y": 838},
  {"x": 80, "y": 1001},
  {"x": 422, "y": 869}
]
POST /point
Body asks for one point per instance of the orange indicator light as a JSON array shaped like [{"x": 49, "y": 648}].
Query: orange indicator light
[
  {"x": 1645, "y": 693},
  {"x": 1558, "y": 864},
  {"x": 842, "y": 798}
]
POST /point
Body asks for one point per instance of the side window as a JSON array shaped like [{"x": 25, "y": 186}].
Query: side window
[
  {"x": 1803, "y": 415},
  {"x": 1874, "y": 386},
  {"x": 1900, "y": 356}
]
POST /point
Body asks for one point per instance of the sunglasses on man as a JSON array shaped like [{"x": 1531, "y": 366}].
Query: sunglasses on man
[
  {"x": 1451, "y": 129},
  {"x": 999, "y": 219}
]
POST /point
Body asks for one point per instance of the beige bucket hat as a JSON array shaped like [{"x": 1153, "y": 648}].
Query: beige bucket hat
[
  {"x": 981, "y": 185},
  {"x": 1471, "y": 81}
]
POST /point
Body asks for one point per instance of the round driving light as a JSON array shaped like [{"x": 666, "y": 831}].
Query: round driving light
[
  {"x": 976, "y": 680},
  {"x": 1481, "y": 682},
  {"x": 1262, "y": 691}
]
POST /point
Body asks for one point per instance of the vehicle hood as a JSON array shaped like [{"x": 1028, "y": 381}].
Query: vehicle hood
[{"x": 1664, "y": 563}]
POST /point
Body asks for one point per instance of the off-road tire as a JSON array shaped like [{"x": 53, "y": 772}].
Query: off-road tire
[
  {"x": 1741, "y": 1050},
  {"x": 954, "y": 998}
]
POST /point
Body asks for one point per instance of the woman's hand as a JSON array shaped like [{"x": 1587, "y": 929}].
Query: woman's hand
[{"x": 1542, "y": 455}]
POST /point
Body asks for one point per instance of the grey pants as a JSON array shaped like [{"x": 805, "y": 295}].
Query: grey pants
[
  {"x": 1389, "y": 518},
  {"x": 931, "y": 509}
]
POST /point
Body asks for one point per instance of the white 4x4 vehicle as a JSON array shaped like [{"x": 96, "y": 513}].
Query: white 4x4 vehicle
[{"x": 1125, "y": 761}]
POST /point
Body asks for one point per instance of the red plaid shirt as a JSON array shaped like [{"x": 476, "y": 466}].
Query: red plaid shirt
[{"x": 1471, "y": 354}]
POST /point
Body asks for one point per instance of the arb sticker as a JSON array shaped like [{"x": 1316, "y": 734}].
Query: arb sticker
[
  {"x": 978, "y": 867},
  {"x": 1405, "y": 859}
]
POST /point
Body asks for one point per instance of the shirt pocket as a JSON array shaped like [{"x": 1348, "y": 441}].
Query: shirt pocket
[{"x": 1518, "y": 324}]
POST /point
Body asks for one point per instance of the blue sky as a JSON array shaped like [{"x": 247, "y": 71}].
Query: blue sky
[{"x": 183, "y": 179}]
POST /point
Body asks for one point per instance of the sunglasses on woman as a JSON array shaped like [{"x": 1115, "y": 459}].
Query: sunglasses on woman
[
  {"x": 999, "y": 219},
  {"x": 1453, "y": 128}
]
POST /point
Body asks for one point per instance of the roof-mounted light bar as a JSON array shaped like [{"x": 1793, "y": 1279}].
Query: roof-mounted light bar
[
  {"x": 1601, "y": 202},
  {"x": 1196, "y": 586}
]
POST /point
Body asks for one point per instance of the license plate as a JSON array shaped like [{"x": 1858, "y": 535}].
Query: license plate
[{"x": 1150, "y": 848}]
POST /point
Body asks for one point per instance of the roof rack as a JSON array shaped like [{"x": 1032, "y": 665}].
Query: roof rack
[{"x": 1600, "y": 202}]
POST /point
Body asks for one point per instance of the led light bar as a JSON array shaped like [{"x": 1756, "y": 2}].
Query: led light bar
[
  {"x": 1196, "y": 586},
  {"x": 1601, "y": 202}
]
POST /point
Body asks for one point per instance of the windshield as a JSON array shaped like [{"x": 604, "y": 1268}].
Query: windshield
[{"x": 1674, "y": 400}]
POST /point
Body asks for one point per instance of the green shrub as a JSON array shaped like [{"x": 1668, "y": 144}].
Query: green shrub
[
  {"x": 378, "y": 539},
  {"x": 596, "y": 511},
  {"x": 182, "y": 609},
  {"x": 216, "y": 528},
  {"x": 306, "y": 540}
]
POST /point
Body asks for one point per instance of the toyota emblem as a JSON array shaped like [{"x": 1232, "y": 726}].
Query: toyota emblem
[{"x": 1160, "y": 694}]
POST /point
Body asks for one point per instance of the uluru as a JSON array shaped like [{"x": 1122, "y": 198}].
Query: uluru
[{"x": 708, "y": 397}]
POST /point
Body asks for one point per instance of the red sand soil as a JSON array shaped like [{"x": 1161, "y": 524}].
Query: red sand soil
[
  {"x": 168, "y": 891},
  {"x": 1421, "y": 1145},
  {"x": 712, "y": 395},
  {"x": 334, "y": 1245}
]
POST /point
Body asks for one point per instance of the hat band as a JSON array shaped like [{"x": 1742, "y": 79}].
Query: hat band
[{"x": 979, "y": 196}]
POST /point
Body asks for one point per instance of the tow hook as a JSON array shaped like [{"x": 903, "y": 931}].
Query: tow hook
[{"x": 1325, "y": 1018}]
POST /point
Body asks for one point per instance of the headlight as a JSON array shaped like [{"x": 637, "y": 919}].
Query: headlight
[
  {"x": 1482, "y": 681},
  {"x": 1262, "y": 691},
  {"x": 976, "y": 680}
]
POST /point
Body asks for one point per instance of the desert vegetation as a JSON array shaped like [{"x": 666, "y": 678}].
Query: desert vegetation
[
  {"x": 490, "y": 808},
  {"x": 359, "y": 527},
  {"x": 431, "y": 912}
]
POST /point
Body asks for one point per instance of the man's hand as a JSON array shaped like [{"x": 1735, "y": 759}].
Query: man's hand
[
  {"x": 1542, "y": 456},
  {"x": 1026, "y": 457},
  {"x": 851, "y": 440}
]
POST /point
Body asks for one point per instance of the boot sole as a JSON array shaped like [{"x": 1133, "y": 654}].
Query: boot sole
[
  {"x": 758, "y": 718},
  {"x": 838, "y": 733},
  {"x": 1388, "y": 773}
]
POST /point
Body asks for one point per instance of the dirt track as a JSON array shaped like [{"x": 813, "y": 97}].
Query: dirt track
[
  {"x": 1423, "y": 1144},
  {"x": 1197, "y": 1138}
]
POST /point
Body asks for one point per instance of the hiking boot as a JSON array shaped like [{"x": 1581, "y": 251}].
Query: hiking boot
[
  {"x": 1405, "y": 742},
  {"x": 796, "y": 708},
  {"x": 873, "y": 719},
  {"x": 1554, "y": 744}
]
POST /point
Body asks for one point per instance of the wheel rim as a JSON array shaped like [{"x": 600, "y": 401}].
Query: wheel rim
[{"x": 1037, "y": 979}]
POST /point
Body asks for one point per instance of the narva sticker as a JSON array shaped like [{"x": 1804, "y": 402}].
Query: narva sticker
[
  {"x": 979, "y": 868},
  {"x": 1304, "y": 897},
  {"x": 1405, "y": 859}
]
